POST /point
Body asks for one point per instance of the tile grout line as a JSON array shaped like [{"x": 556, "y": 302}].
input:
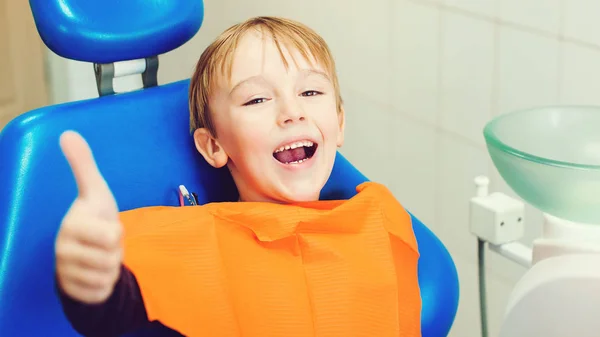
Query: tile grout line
[
  {"x": 561, "y": 53},
  {"x": 495, "y": 95},
  {"x": 418, "y": 121},
  {"x": 438, "y": 120},
  {"x": 511, "y": 24}
]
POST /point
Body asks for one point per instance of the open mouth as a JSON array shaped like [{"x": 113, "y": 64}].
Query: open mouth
[{"x": 295, "y": 153}]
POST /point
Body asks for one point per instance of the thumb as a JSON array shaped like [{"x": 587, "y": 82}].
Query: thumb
[{"x": 90, "y": 183}]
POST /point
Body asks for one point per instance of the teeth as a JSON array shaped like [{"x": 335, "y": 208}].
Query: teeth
[
  {"x": 298, "y": 161},
  {"x": 294, "y": 145}
]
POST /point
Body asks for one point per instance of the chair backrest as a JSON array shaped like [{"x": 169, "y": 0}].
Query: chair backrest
[{"x": 144, "y": 151}]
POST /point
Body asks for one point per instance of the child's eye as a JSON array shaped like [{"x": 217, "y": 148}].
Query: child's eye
[
  {"x": 255, "y": 101},
  {"x": 311, "y": 93}
]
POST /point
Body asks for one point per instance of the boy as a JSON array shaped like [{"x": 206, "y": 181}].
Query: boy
[{"x": 264, "y": 102}]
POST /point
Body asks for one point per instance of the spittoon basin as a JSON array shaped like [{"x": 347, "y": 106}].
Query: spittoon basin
[{"x": 550, "y": 157}]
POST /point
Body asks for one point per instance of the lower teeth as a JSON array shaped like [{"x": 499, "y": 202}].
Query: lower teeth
[{"x": 297, "y": 161}]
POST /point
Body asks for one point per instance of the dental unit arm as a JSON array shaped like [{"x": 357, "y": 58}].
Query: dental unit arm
[
  {"x": 144, "y": 150},
  {"x": 551, "y": 158}
]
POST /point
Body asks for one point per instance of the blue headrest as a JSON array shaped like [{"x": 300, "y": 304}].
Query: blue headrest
[{"x": 105, "y": 31}]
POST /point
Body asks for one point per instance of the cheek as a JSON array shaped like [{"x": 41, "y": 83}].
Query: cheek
[
  {"x": 328, "y": 121},
  {"x": 244, "y": 140}
]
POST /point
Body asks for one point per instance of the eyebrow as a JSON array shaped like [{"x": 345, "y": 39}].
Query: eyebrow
[
  {"x": 248, "y": 80},
  {"x": 308, "y": 72},
  {"x": 304, "y": 73}
]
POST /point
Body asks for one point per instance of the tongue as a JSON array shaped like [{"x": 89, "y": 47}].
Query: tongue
[{"x": 288, "y": 156}]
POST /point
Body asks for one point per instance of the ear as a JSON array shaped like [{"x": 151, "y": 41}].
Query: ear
[
  {"x": 342, "y": 121},
  {"x": 210, "y": 148}
]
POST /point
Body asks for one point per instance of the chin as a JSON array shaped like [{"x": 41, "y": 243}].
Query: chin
[
  {"x": 299, "y": 195},
  {"x": 302, "y": 191},
  {"x": 305, "y": 198}
]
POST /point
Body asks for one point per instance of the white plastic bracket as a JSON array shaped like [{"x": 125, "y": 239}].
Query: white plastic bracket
[
  {"x": 516, "y": 252},
  {"x": 499, "y": 219}
]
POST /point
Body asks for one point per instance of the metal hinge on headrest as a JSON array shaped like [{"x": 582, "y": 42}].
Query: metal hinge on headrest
[{"x": 107, "y": 72}]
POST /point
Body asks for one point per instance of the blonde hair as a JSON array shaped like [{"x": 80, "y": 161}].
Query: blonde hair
[{"x": 217, "y": 60}]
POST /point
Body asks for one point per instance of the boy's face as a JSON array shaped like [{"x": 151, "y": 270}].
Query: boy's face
[{"x": 277, "y": 129}]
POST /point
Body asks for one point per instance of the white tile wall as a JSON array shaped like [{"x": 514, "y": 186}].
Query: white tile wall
[
  {"x": 580, "y": 74},
  {"x": 415, "y": 59},
  {"x": 368, "y": 152},
  {"x": 498, "y": 293},
  {"x": 543, "y": 15},
  {"x": 580, "y": 20},
  {"x": 485, "y": 8},
  {"x": 70, "y": 80},
  {"x": 420, "y": 79},
  {"x": 467, "y": 66},
  {"x": 362, "y": 48},
  {"x": 459, "y": 162},
  {"x": 467, "y": 322},
  {"x": 413, "y": 163},
  {"x": 528, "y": 69}
]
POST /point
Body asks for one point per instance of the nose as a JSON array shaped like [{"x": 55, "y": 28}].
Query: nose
[{"x": 290, "y": 112}]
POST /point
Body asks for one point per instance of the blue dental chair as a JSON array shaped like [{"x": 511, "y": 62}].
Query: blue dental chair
[{"x": 144, "y": 151}]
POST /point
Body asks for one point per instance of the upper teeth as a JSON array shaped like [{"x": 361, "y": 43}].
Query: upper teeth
[{"x": 295, "y": 145}]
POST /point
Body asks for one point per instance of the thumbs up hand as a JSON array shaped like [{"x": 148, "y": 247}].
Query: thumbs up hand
[{"x": 88, "y": 246}]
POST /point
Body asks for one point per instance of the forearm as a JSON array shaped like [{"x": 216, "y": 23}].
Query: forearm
[{"x": 122, "y": 312}]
